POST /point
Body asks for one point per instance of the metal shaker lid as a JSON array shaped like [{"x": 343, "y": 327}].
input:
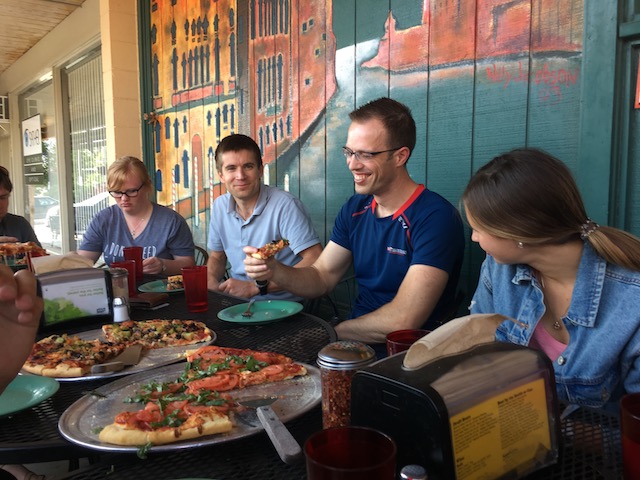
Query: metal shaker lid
[
  {"x": 119, "y": 301},
  {"x": 346, "y": 355}
]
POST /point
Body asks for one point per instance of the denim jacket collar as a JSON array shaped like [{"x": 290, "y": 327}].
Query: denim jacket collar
[{"x": 586, "y": 295}]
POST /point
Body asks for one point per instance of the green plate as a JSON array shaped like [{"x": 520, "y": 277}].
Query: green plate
[
  {"x": 26, "y": 391},
  {"x": 158, "y": 286},
  {"x": 264, "y": 311}
]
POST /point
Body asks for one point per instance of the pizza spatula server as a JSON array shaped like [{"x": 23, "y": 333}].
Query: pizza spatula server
[
  {"x": 129, "y": 356},
  {"x": 287, "y": 447}
]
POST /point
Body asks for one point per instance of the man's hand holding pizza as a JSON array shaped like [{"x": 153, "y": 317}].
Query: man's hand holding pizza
[{"x": 20, "y": 311}]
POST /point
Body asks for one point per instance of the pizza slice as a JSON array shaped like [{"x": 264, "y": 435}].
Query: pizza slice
[
  {"x": 224, "y": 369},
  {"x": 171, "y": 418},
  {"x": 65, "y": 356},
  {"x": 174, "y": 282},
  {"x": 270, "y": 249},
  {"x": 199, "y": 402},
  {"x": 157, "y": 333}
]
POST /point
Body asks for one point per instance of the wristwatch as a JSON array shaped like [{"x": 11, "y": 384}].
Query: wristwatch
[{"x": 262, "y": 286}]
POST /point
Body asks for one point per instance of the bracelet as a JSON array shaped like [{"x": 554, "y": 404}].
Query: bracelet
[{"x": 164, "y": 266}]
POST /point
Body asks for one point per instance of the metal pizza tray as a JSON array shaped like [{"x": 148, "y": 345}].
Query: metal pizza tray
[
  {"x": 82, "y": 421},
  {"x": 157, "y": 357}
]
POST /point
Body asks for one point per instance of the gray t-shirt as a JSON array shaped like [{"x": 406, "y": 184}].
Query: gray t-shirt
[
  {"x": 16, "y": 226},
  {"x": 277, "y": 215},
  {"x": 167, "y": 235}
]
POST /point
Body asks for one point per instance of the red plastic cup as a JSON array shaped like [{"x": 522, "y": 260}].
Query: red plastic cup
[
  {"x": 194, "y": 280},
  {"x": 401, "y": 340},
  {"x": 630, "y": 426},
  {"x": 356, "y": 453},
  {"x": 130, "y": 265},
  {"x": 135, "y": 254}
]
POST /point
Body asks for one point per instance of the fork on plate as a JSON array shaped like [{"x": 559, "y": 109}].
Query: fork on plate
[{"x": 248, "y": 312}]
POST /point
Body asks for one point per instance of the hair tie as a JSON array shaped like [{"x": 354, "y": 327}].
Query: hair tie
[{"x": 587, "y": 228}]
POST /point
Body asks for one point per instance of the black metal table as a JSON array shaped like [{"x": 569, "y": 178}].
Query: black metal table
[
  {"x": 590, "y": 450},
  {"x": 32, "y": 435}
]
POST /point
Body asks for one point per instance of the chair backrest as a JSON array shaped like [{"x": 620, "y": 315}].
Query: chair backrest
[{"x": 201, "y": 256}]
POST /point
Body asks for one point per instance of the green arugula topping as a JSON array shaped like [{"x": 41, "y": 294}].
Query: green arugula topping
[{"x": 143, "y": 450}]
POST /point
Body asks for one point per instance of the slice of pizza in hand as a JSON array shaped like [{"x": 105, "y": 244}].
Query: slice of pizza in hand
[
  {"x": 65, "y": 356},
  {"x": 270, "y": 249}
]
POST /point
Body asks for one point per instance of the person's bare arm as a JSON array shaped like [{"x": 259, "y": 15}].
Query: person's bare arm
[
  {"x": 216, "y": 267},
  {"x": 248, "y": 288},
  {"x": 155, "y": 265},
  {"x": 307, "y": 281},
  {"x": 417, "y": 296},
  {"x": 91, "y": 255},
  {"x": 20, "y": 311}
]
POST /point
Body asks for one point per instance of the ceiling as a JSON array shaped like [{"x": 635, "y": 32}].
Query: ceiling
[{"x": 24, "y": 22}]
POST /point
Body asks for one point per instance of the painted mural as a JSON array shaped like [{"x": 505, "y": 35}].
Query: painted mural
[{"x": 480, "y": 77}]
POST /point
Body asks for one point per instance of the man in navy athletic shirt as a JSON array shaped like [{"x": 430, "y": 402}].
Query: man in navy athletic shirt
[{"x": 405, "y": 241}]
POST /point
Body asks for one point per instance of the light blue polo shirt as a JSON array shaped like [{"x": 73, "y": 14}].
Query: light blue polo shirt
[{"x": 277, "y": 215}]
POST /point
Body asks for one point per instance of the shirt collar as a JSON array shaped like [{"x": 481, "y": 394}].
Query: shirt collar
[{"x": 587, "y": 290}]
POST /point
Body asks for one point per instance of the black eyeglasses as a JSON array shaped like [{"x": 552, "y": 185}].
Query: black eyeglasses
[
  {"x": 132, "y": 192},
  {"x": 361, "y": 155}
]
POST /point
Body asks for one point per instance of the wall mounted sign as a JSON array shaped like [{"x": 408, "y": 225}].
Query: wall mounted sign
[
  {"x": 31, "y": 136},
  {"x": 32, "y": 151}
]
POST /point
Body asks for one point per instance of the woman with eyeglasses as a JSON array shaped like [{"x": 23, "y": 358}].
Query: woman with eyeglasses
[
  {"x": 165, "y": 238},
  {"x": 13, "y": 228}
]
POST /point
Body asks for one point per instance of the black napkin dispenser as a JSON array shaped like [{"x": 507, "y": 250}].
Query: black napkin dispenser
[{"x": 489, "y": 412}]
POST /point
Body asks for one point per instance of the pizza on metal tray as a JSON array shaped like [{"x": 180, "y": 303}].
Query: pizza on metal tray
[
  {"x": 199, "y": 402},
  {"x": 66, "y": 356}
]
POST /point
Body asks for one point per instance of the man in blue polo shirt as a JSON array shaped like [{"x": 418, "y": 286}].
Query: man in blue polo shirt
[
  {"x": 251, "y": 213},
  {"x": 406, "y": 242}
]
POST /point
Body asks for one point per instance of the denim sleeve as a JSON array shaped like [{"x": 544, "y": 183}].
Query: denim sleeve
[{"x": 482, "y": 301}]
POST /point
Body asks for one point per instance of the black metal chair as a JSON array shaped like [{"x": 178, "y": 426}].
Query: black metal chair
[{"x": 201, "y": 256}]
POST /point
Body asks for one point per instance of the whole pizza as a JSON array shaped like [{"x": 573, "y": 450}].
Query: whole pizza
[{"x": 200, "y": 401}]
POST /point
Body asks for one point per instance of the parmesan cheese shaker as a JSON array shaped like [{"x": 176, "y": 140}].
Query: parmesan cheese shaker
[{"x": 338, "y": 362}]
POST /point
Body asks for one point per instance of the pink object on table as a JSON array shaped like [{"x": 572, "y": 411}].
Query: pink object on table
[
  {"x": 135, "y": 254},
  {"x": 194, "y": 280}
]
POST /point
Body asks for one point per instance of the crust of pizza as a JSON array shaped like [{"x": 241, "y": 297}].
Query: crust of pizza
[
  {"x": 195, "y": 426},
  {"x": 61, "y": 370}
]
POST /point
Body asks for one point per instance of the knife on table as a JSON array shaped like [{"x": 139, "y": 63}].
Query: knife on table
[{"x": 287, "y": 447}]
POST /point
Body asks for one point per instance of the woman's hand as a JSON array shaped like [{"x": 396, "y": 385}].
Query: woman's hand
[{"x": 153, "y": 265}]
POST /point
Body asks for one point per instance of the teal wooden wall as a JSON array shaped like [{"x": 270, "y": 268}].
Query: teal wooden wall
[{"x": 480, "y": 77}]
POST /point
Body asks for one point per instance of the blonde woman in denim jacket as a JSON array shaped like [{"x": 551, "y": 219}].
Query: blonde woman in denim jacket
[{"x": 572, "y": 286}]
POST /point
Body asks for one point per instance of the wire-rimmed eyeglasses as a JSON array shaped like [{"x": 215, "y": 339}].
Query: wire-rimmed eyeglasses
[
  {"x": 132, "y": 192},
  {"x": 362, "y": 155}
]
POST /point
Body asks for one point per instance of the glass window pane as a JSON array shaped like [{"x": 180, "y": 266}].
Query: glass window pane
[{"x": 88, "y": 141}]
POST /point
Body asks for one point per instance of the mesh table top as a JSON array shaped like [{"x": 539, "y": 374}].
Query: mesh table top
[
  {"x": 590, "y": 449},
  {"x": 32, "y": 435}
]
